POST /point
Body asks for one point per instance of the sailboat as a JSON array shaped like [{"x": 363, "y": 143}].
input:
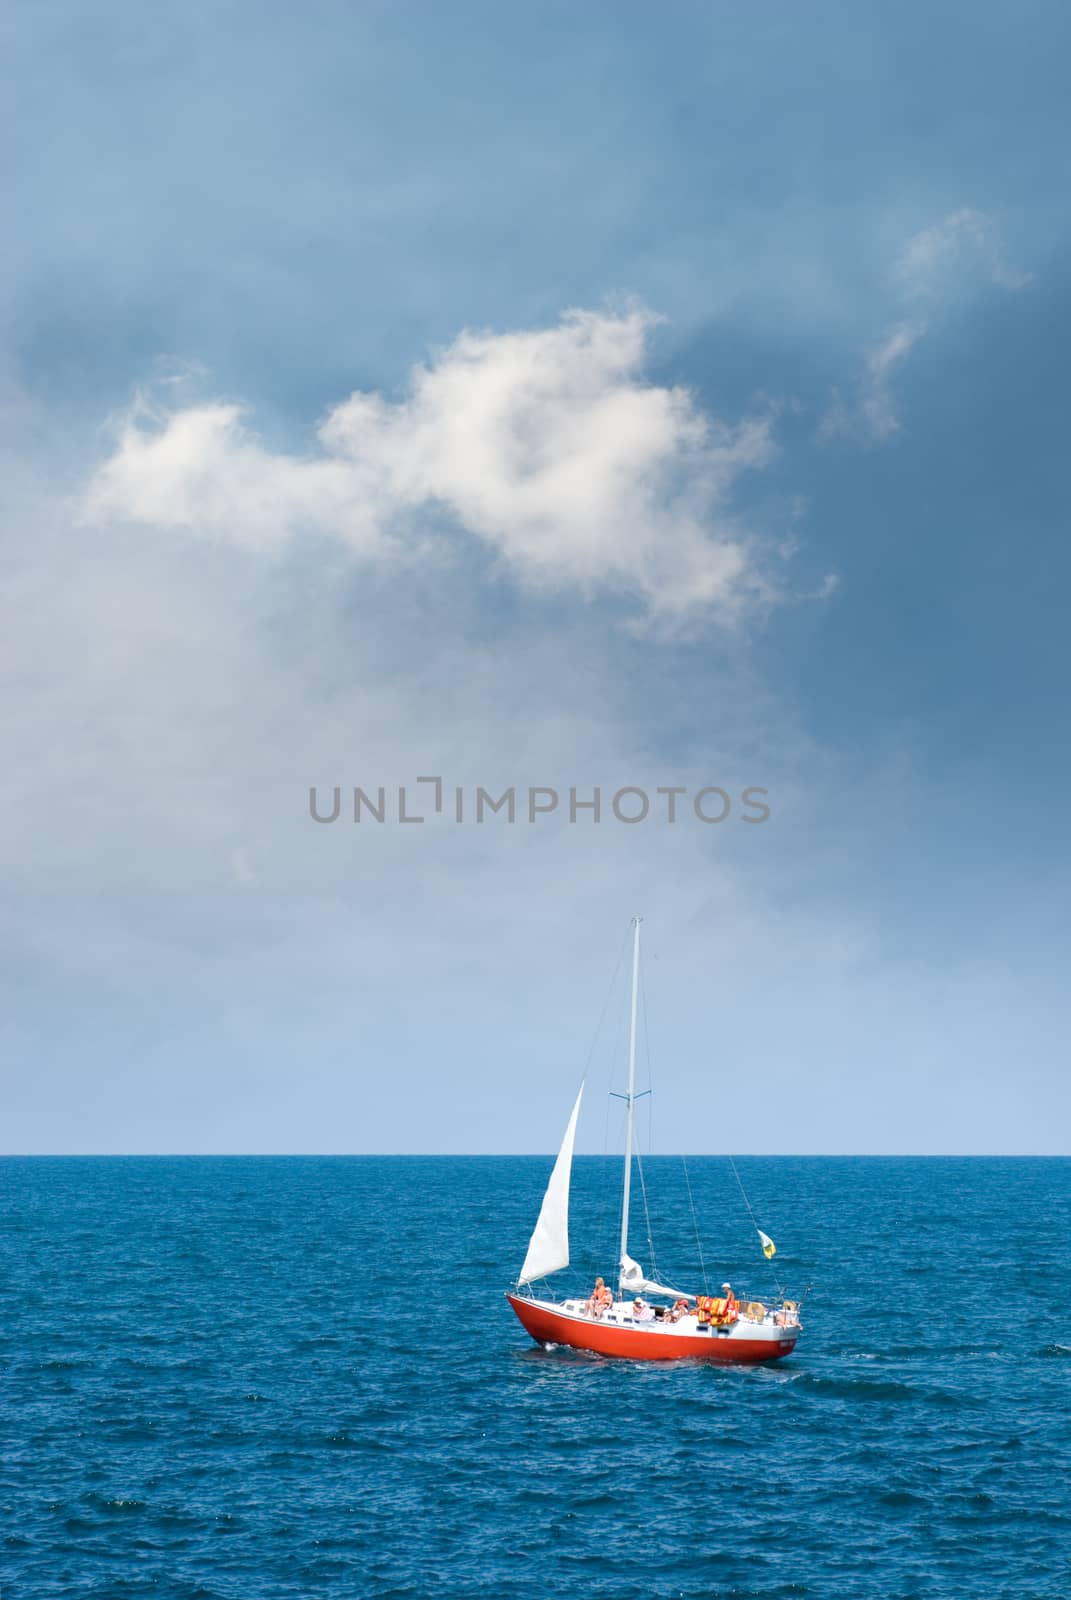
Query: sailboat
[{"x": 692, "y": 1327}]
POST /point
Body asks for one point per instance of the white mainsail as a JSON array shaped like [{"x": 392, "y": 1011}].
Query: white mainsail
[{"x": 548, "y": 1249}]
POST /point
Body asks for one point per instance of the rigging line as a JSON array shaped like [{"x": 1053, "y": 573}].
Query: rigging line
[
  {"x": 695, "y": 1225},
  {"x": 620, "y": 1042},
  {"x": 751, "y": 1214},
  {"x": 598, "y": 1031},
  {"x": 620, "y": 1048},
  {"x": 647, "y": 1217},
  {"x": 650, "y": 1075},
  {"x": 609, "y": 1219},
  {"x": 650, "y": 1121},
  {"x": 606, "y": 1002}
]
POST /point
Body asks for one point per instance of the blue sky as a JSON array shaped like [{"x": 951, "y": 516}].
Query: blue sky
[{"x": 708, "y": 379}]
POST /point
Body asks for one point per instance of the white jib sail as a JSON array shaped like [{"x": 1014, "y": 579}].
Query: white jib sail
[
  {"x": 548, "y": 1250},
  {"x": 632, "y": 1279}
]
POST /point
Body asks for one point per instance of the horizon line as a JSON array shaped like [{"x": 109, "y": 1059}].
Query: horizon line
[{"x": 529, "y": 1155}]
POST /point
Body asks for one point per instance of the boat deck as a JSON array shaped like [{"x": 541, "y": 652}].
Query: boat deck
[{"x": 688, "y": 1326}]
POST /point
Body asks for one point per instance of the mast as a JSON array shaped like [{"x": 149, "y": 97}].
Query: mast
[{"x": 631, "y": 1089}]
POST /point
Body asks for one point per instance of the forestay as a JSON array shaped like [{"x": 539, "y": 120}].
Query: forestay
[{"x": 548, "y": 1250}]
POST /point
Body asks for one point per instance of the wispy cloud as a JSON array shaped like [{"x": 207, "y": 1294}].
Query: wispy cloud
[
  {"x": 939, "y": 259},
  {"x": 935, "y": 267},
  {"x": 878, "y": 407},
  {"x": 874, "y": 415},
  {"x": 549, "y": 447}
]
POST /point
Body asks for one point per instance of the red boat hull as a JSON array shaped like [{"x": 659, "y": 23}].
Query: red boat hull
[{"x": 639, "y": 1344}]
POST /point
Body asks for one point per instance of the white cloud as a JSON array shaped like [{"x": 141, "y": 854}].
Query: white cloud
[
  {"x": 200, "y": 470},
  {"x": 548, "y": 447},
  {"x": 938, "y": 258}
]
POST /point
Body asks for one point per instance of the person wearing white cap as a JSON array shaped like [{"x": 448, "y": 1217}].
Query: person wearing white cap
[{"x": 732, "y": 1310}]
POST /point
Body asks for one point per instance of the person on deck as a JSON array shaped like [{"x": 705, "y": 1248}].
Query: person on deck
[
  {"x": 732, "y": 1308},
  {"x": 641, "y": 1311},
  {"x": 680, "y": 1308},
  {"x": 601, "y": 1300}
]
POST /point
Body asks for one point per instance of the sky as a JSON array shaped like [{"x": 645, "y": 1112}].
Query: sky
[{"x": 539, "y": 399}]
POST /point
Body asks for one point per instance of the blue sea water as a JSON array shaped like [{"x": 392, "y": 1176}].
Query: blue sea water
[{"x": 265, "y": 1377}]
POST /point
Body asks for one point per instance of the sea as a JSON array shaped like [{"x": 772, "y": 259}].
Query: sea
[{"x": 267, "y": 1377}]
